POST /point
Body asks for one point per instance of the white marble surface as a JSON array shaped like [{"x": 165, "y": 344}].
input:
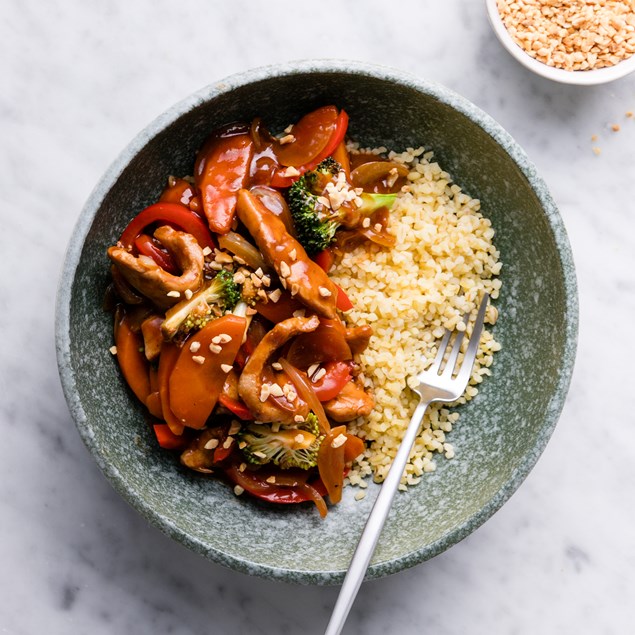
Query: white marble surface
[{"x": 78, "y": 80}]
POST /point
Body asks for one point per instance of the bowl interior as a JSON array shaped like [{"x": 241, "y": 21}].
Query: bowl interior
[{"x": 500, "y": 434}]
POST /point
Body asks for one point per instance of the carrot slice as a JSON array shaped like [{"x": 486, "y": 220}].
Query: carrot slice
[
  {"x": 132, "y": 361},
  {"x": 199, "y": 374},
  {"x": 312, "y": 134},
  {"x": 169, "y": 356}
]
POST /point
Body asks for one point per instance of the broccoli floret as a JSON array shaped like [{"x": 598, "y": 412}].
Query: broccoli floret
[
  {"x": 218, "y": 296},
  {"x": 289, "y": 447},
  {"x": 315, "y": 223}
]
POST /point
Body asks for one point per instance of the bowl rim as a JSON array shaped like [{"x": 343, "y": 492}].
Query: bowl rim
[
  {"x": 578, "y": 78},
  {"x": 326, "y": 66}
]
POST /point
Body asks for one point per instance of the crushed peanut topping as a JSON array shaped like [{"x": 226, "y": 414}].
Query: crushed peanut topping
[
  {"x": 215, "y": 348},
  {"x": 289, "y": 138},
  {"x": 195, "y": 346},
  {"x": 265, "y": 391},
  {"x": 238, "y": 490},
  {"x": 174, "y": 294},
  {"x": 276, "y": 366},
  {"x": 276, "y": 390},
  {"x": 338, "y": 192},
  {"x": 574, "y": 36},
  {"x": 222, "y": 257},
  {"x": 188, "y": 294},
  {"x": 338, "y": 441},
  {"x": 207, "y": 251},
  {"x": 324, "y": 292},
  {"x": 211, "y": 444},
  {"x": 199, "y": 359},
  {"x": 226, "y": 367},
  {"x": 291, "y": 171},
  {"x": 113, "y": 350},
  {"x": 271, "y": 479},
  {"x": 228, "y": 442},
  {"x": 298, "y": 419},
  {"x": 318, "y": 375},
  {"x": 285, "y": 270},
  {"x": 274, "y": 296}
]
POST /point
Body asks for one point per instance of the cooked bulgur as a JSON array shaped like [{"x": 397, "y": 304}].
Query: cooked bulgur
[{"x": 443, "y": 261}]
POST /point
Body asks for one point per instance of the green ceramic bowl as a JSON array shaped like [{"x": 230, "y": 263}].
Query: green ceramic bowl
[{"x": 501, "y": 433}]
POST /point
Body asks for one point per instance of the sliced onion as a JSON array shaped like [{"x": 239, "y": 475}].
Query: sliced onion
[
  {"x": 316, "y": 497},
  {"x": 306, "y": 393},
  {"x": 242, "y": 248},
  {"x": 374, "y": 171}
]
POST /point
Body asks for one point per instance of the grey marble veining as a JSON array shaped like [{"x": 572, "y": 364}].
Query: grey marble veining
[{"x": 78, "y": 81}]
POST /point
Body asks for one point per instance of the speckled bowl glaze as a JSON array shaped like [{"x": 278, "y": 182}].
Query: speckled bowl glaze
[{"x": 501, "y": 432}]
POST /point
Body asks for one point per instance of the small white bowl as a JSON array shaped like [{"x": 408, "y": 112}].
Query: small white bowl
[{"x": 582, "y": 78}]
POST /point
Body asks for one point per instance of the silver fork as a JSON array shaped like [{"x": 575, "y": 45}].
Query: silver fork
[{"x": 437, "y": 383}]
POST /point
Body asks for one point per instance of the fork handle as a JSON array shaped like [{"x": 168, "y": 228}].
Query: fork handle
[{"x": 374, "y": 525}]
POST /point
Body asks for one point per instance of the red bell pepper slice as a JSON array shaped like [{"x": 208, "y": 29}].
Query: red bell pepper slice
[
  {"x": 281, "y": 310},
  {"x": 327, "y": 343},
  {"x": 237, "y": 407},
  {"x": 147, "y": 246},
  {"x": 325, "y": 259},
  {"x": 338, "y": 137},
  {"x": 343, "y": 301},
  {"x": 338, "y": 374},
  {"x": 172, "y": 214},
  {"x": 166, "y": 438},
  {"x": 287, "y": 490}
]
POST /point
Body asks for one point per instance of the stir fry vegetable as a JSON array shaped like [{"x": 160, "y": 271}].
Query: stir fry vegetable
[{"x": 228, "y": 328}]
